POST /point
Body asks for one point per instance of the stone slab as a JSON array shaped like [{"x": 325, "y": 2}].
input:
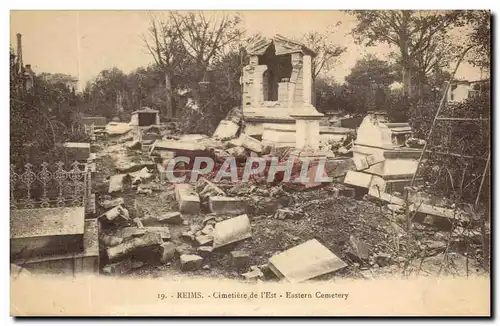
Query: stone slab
[
  {"x": 305, "y": 261},
  {"x": 86, "y": 261},
  {"x": 46, "y": 231}
]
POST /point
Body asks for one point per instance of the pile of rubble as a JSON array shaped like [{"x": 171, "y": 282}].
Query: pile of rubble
[{"x": 255, "y": 230}]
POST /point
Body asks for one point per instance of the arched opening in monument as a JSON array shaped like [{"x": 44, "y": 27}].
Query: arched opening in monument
[{"x": 279, "y": 69}]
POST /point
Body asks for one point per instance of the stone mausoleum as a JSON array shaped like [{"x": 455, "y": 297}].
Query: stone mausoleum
[{"x": 278, "y": 97}]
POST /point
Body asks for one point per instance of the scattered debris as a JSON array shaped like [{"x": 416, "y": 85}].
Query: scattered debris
[
  {"x": 227, "y": 205},
  {"x": 187, "y": 199}
]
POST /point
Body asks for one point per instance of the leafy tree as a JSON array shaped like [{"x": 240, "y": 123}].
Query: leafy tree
[
  {"x": 412, "y": 32},
  {"x": 369, "y": 82}
]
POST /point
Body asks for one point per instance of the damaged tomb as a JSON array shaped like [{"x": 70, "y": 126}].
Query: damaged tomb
[{"x": 351, "y": 223}]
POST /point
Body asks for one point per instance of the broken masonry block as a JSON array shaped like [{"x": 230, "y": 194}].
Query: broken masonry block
[
  {"x": 163, "y": 231},
  {"x": 251, "y": 143},
  {"x": 187, "y": 199},
  {"x": 232, "y": 230},
  {"x": 107, "y": 204},
  {"x": 205, "y": 251},
  {"x": 128, "y": 246},
  {"x": 117, "y": 213},
  {"x": 174, "y": 218},
  {"x": 222, "y": 205},
  {"x": 226, "y": 129},
  {"x": 240, "y": 259},
  {"x": 208, "y": 230},
  {"x": 305, "y": 261},
  {"x": 190, "y": 262},
  {"x": 168, "y": 252},
  {"x": 130, "y": 231},
  {"x": 253, "y": 275}
]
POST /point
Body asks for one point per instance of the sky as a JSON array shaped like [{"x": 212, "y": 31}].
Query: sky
[{"x": 82, "y": 43}]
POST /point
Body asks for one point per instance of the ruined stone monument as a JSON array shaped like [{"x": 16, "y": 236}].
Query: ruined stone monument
[
  {"x": 145, "y": 117},
  {"x": 278, "y": 94}
]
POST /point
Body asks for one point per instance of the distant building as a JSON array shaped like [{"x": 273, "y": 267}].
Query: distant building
[{"x": 461, "y": 90}]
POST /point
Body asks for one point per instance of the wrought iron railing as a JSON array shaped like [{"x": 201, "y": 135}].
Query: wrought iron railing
[{"x": 50, "y": 187}]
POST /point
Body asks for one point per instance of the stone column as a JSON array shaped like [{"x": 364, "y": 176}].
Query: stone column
[
  {"x": 307, "y": 131},
  {"x": 307, "y": 75},
  {"x": 258, "y": 85}
]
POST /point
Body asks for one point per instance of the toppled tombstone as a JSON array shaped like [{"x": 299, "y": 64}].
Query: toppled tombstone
[
  {"x": 167, "y": 218},
  {"x": 116, "y": 214},
  {"x": 168, "y": 252},
  {"x": 107, "y": 204},
  {"x": 359, "y": 248},
  {"x": 128, "y": 246},
  {"x": 227, "y": 205},
  {"x": 232, "y": 230},
  {"x": 119, "y": 268},
  {"x": 190, "y": 262},
  {"x": 187, "y": 199},
  {"x": 240, "y": 259},
  {"x": 119, "y": 183},
  {"x": 305, "y": 261}
]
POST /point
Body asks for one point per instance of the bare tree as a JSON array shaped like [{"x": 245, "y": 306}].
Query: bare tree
[
  {"x": 165, "y": 45},
  {"x": 327, "y": 52}
]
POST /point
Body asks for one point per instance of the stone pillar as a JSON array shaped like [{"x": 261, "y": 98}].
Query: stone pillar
[
  {"x": 296, "y": 67},
  {"x": 307, "y": 131},
  {"x": 258, "y": 85},
  {"x": 307, "y": 75}
]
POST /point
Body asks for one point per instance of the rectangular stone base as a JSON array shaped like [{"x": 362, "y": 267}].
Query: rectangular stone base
[
  {"x": 46, "y": 231},
  {"x": 86, "y": 261}
]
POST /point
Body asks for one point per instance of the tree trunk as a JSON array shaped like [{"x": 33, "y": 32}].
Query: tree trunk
[{"x": 168, "y": 90}]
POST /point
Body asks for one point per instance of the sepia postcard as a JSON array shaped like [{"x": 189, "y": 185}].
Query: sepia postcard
[{"x": 250, "y": 163}]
